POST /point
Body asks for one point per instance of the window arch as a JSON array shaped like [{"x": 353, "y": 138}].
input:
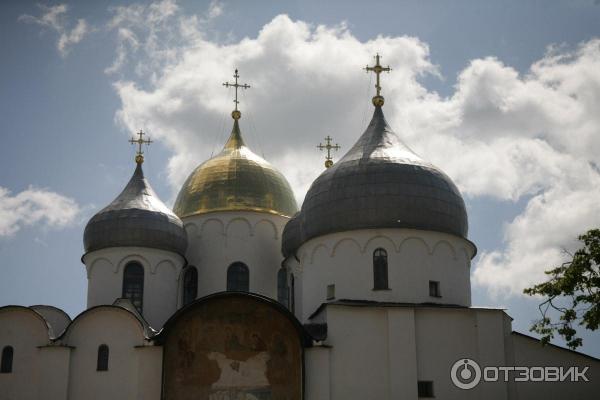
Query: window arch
[
  {"x": 282, "y": 287},
  {"x": 133, "y": 284},
  {"x": 380, "y": 269},
  {"x": 7, "y": 360},
  {"x": 102, "y": 364},
  {"x": 238, "y": 277},
  {"x": 190, "y": 285}
]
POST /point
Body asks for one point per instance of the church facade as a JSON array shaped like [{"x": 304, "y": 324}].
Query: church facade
[{"x": 363, "y": 293}]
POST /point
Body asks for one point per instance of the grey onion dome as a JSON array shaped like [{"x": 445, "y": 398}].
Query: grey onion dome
[
  {"x": 291, "y": 238},
  {"x": 138, "y": 218},
  {"x": 380, "y": 183}
]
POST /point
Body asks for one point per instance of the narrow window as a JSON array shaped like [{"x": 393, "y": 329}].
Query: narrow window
[
  {"x": 133, "y": 284},
  {"x": 7, "y": 360},
  {"x": 282, "y": 287},
  {"x": 293, "y": 293},
  {"x": 330, "y": 292},
  {"x": 238, "y": 277},
  {"x": 425, "y": 389},
  {"x": 190, "y": 285},
  {"x": 434, "y": 289},
  {"x": 102, "y": 364},
  {"x": 380, "y": 269}
]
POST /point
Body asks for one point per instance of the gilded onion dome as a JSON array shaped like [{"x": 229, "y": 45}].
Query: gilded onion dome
[
  {"x": 137, "y": 218},
  {"x": 236, "y": 179}
]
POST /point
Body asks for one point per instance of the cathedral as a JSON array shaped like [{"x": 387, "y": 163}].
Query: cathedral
[{"x": 237, "y": 294}]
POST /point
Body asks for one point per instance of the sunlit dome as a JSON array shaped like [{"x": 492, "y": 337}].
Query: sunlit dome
[{"x": 236, "y": 179}]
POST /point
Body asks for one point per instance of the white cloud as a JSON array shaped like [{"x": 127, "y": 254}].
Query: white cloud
[
  {"x": 155, "y": 29},
  {"x": 501, "y": 134},
  {"x": 35, "y": 206},
  {"x": 55, "y": 18}
]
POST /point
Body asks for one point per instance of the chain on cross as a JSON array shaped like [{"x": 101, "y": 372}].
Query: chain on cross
[
  {"x": 328, "y": 146},
  {"x": 378, "y": 69},
  {"x": 236, "y": 114},
  {"x": 140, "y": 141}
]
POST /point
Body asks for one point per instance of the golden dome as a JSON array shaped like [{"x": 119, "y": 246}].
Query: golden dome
[{"x": 235, "y": 180}]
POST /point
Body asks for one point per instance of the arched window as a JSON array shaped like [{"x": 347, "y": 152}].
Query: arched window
[
  {"x": 238, "y": 277},
  {"x": 293, "y": 293},
  {"x": 190, "y": 285},
  {"x": 282, "y": 287},
  {"x": 133, "y": 284},
  {"x": 7, "y": 360},
  {"x": 102, "y": 364},
  {"x": 380, "y": 269}
]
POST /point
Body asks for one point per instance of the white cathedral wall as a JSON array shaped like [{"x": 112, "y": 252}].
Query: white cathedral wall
[
  {"x": 218, "y": 239},
  {"x": 345, "y": 259},
  {"x": 162, "y": 270},
  {"x": 121, "y": 332},
  {"x": 25, "y": 331},
  {"x": 382, "y": 352}
]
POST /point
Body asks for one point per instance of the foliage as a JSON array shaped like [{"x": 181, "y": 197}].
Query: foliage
[{"x": 573, "y": 291}]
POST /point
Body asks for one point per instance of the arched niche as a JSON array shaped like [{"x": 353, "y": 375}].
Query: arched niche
[{"x": 233, "y": 346}]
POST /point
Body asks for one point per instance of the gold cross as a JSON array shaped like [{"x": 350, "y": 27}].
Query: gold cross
[
  {"x": 139, "y": 157},
  {"x": 329, "y": 147},
  {"x": 235, "y": 113},
  {"x": 378, "y": 69}
]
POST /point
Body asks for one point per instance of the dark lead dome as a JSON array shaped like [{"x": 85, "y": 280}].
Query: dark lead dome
[
  {"x": 136, "y": 217},
  {"x": 291, "y": 238},
  {"x": 379, "y": 183}
]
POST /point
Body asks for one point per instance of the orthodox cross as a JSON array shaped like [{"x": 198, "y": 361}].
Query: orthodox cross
[
  {"x": 328, "y": 146},
  {"x": 139, "y": 157},
  {"x": 235, "y": 113},
  {"x": 378, "y": 69}
]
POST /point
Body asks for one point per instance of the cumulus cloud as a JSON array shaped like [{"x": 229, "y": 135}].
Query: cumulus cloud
[
  {"x": 55, "y": 18},
  {"x": 35, "y": 206},
  {"x": 501, "y": 134}
]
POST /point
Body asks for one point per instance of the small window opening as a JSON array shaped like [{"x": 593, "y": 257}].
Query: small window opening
[
  {"x": 102, "y": 363},
  {"x": 238, "y": 277},
  {"x": 190, "y": 285},
  {"x": 434, "y": 289},
  {"x": 380, "y": 269},
  {"x": 7, "y": 360},
  {"x": 425, "y": 389},
  {"x": 330, "y": 292},
  {"x": 282, "y": 287}
]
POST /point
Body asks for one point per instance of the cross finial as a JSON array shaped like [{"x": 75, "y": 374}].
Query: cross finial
[
  {"x": 378, "y": 69},
  {"x": 139, "y": 156},
  {"x": 328, "y": 146},
  {"x": 236, "y": 114}
]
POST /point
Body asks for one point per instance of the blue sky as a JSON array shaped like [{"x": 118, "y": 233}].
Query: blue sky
[{"x": 503, "y": 96}]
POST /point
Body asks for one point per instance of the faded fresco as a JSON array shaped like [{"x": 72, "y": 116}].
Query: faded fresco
[{"x": 232, "y": 348}]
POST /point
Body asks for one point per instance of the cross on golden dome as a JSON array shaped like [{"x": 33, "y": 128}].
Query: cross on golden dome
[
  {"x": 328, "y": 146},
  {"x": 235, "y": 114},
  {"x": 139, "y": 157},
  {"x": 378, "y": 69}
]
